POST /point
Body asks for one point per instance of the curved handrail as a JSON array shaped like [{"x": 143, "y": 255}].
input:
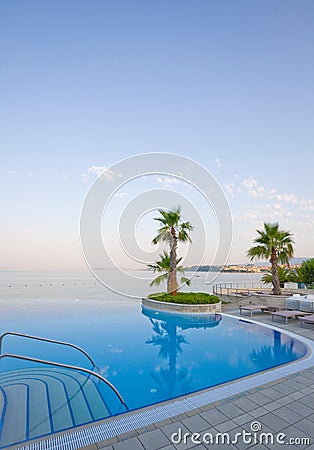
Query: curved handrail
[
  {"x": 67, "y": 366},
  {"x": 53, "y": 341},
  {"x": 5, "y": 404}
]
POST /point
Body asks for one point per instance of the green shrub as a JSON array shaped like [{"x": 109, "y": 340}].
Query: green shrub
[
  {"x": 307, "y": 268},
  {"x": 189, "y": 298}
]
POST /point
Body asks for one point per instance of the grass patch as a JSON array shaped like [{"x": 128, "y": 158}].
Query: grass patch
[{"x": 188, "y": 298}]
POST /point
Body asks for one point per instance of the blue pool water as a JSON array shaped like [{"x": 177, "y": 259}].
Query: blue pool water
[{"x": 149, "y": 356}]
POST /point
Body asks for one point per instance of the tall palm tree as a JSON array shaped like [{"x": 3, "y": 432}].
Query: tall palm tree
[
  {"x": 163, "y": 267},
  {"x": 172, "y": 231},
  {"x": 275, "y": 244}
]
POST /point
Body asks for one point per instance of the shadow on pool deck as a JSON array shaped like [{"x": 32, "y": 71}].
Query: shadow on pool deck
[{"x": 281, "y": 406}]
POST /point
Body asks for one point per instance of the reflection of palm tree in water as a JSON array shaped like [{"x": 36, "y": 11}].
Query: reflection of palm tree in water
[
  {"x": 172, "y": 379},
  {"x": 278, "y": 353}
]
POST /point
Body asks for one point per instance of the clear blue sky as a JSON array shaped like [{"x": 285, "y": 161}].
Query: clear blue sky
[{"x": 226, "y": 83}]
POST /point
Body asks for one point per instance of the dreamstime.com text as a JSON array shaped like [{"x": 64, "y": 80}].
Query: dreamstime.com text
[{"x": 256, "y": 436}]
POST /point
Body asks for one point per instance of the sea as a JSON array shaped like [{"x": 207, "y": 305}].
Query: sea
[
  {"x": 102, "y": 284},
  {"x": 34, "y": 293}
]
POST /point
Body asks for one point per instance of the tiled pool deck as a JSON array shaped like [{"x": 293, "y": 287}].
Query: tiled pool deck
[{"x": 285, "y": 405}]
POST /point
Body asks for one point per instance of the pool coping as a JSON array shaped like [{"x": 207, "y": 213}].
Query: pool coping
[{"x": 108, "y": 428}]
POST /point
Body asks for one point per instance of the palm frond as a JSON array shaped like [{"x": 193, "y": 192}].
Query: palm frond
[
  {"x": 185, "y": 280},
  {"x": 158, "y": 280}
]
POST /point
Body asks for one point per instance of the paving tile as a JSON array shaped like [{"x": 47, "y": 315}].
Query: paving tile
[
  {"x": 259, "y": 399},
  {"x": 168, "y": 447},
  {"x": 272, "y": 406},
  {"x": 304, "y": 380},
  {"x": 219, "y": 446},
  {"x": 225, "y": 427},
  {"x": 288, "y": 415},
  {"x": 161, "y": 423},
  {"x": 285, "y": 400},
  {"x": 127, "y": 435},
  {"x": 245, "y": 404},
  {"x": 106, "y": 443},
  {"x": 213, "y": 417},
  {"x": 109, "y": 447},
  {"x": 199, "y": 447},
  {"x": 258, "y": 412},
  {"x": 293, "y": 383},
  {"x": 243, "y": 418},
  {"x": 153, "y": 440},
  {"x": 230, "y": 410},
  {"x": 178, "y": 417},
  {"x": 306, "y": 426},
  {"x": 196, "y": 423},
  {"x": 272, "y": 393},
  {"x": 207, "y": 407},
  {"x": 308, "y": 400},
  {"x": 128, "y": 444},
  {"x": 301, "y": 409},
  {"x": 283, "y": 389},
  {"x": 307, "y": 390},
  {"x": 149, "y": 427},
  {"x": 274, "y": 422},
  {"x": 296, "y": 395}
]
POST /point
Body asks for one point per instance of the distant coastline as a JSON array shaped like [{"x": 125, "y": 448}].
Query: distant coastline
[
  {"x": 243, "y": 268},
  {"x": 237, "y": 268}
]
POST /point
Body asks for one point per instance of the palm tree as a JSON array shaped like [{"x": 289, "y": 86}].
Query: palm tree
[
  {"x": 275, "y": 244},
  {"x": 297, "y": 276},
  {"x": 285, "y": 275},
  {"x": 163, "y": 267},
  {"x": 172, "y": 231}
]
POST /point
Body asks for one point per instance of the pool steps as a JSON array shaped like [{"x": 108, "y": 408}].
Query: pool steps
[
  {"x": 48, "y": 400},
  {"x": 38, "y": 401}
]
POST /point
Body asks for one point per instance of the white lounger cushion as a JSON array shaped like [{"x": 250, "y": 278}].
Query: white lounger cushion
[
  {"x": 307, "y": 305},
  {"x": 293, "y": 302}
]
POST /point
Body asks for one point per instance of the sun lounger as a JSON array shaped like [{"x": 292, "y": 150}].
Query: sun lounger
[
  {"x": 271, "y": 308},
  {"x": 307, "y": 320},
  {"x": 287, "y": 314},
  {"x": 250, "y": 309},
  {"x": 264, "y": 309}
]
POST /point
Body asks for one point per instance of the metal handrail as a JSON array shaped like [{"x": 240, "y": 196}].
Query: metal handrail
[
  {"x": 53, "y": 341},
  {"x": 67, "y": 366}
]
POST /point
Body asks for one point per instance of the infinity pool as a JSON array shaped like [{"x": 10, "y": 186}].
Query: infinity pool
[{"x": 149, "y": 356}]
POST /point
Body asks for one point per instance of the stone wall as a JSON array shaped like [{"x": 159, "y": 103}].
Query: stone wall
[{"x": 234, "y": 301}]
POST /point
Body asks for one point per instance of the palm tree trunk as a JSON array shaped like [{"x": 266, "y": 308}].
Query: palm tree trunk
[
  {"x": 274, "y": 271},
  {"x": 172, "y": 285}
]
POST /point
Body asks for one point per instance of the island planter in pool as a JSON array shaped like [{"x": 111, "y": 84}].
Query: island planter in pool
[{"x": 207, "y": 308}]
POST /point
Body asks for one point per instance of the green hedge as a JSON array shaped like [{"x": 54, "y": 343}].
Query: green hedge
[{"x": 189, "y": 298}]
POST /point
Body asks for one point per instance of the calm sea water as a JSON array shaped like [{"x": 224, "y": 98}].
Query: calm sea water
[
  {"x": 27, "y": 294},
  {"x": 29, "y": 285}
]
